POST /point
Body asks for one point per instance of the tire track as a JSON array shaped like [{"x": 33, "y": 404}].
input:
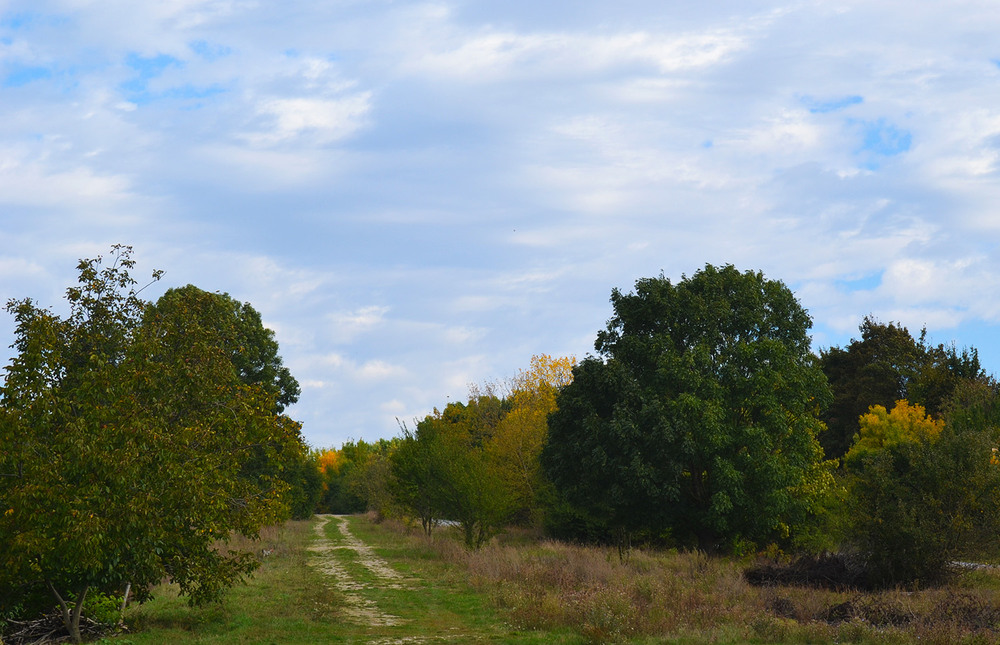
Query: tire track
[{"x": 358, "y": 609}]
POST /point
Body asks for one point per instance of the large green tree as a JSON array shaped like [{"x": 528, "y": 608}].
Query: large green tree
[
  {"x": 699, "y": 418},
  {"x": 241, "y": 334},
  {"x": 236, "y": 330},
  {"x": 125, "y": 432}
]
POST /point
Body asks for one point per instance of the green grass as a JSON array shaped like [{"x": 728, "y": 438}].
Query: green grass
[
  {"x": 523, "y": 589},
  {"x": 288, "y": 601}
]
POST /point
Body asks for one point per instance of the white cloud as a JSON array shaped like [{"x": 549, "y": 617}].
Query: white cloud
[
  {"x": 487, "y": 56},
  {"x": 378, "y": 370},
  {"x": 318, "y": 121},
  {"x": 32, "y": 183},
  {"x": 348, "y": 325}
]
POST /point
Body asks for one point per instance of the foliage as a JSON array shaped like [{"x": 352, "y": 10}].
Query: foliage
[
  {"x": 904, "y": 424},
  {"x": 353, "y": 477},
  {"x": 887, "y": 365},
  {"x": 128, "y": 428},
  {"x": 926, "y": 496},
  {"x": 236, "y": 329},
  {"x": 305, "y": 484},
  {"x": 334, "y": 492},
  {"x": 699, "y": 419},
  {"x": 414, "y": 476},
  {"x": 478, "y": 462},
  {"x": 242, "y": 336},
  {"x": 522, "y": 432},
  {"x": 466, "y": 481}
]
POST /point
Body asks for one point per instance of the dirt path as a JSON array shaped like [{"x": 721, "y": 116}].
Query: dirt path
[
  {"x": 359, "y": 610},
  {"x": 375, "y": 593}
]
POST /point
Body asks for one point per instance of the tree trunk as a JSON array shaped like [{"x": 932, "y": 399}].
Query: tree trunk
[
  {"x": 71, "y": 616},
  {"x": 128, "y": 589}
]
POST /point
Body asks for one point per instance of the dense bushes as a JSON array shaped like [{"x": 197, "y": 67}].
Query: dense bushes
[{"x": 917, "y": 506}]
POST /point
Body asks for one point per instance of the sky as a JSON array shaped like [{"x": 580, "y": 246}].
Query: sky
[{"x": 418, "y": 196}]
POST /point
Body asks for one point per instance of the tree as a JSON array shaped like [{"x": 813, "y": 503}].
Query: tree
[
  {"x": 926, "y": 494},
  {"x": 887, "y": 364},
  {"x": 521, "y": 434},
  {"x": 880, "y": 429},
  {"x": 470, "y": 483},
  {"x": 127, "y": 429},
  {"x": 478, "y": 462},
  {"x": 415, "y": 484},
  {"x": 339, "y": 469},
  {"x": 235, "y": 328},
  {"x": 699, "y": 419},
  {"x": 242, "y": 335}
]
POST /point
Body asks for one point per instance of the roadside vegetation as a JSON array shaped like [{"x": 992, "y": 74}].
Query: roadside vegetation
[{"x": 705, "y": 476}]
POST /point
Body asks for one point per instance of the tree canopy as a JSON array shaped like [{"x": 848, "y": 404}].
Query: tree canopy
[
  {"x": 241, "y": 334},
  {"x": 699, "y": 418},
  {"x": 887, "y": 364}
]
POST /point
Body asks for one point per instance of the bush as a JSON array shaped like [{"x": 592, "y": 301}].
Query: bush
[
  {"x": 104, "y": 609},
  {"x": 918, "y": 507}
]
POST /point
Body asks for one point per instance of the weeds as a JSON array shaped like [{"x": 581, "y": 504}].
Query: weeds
[{"x": 689, "y": 597}]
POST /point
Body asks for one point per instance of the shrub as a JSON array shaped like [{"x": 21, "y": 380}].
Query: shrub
[{"x": 918, "y": 506}]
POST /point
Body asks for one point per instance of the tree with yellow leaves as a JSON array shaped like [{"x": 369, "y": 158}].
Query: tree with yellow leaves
[
  {"x": 521, "y": 434},
  {"x": 880, "y": 428},
  {"x": 477, "y": 463}
]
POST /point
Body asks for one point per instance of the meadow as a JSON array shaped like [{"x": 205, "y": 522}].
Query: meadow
[{"x": 522, "y": 588}]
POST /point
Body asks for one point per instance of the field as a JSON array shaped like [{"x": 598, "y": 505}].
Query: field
[{"x": 349, "y": 580}]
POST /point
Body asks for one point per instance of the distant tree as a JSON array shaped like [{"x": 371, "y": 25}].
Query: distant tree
[
  {"x": 340, "y": 470},
  {"x": 371, "y": 478},
  {"x": 700, "y": 418},
  {"x": 941, "y": 373},
  {"x": 124, "y": 439},
  {"x": 521, "y": 434},
  {"x": 887, "y": 364},
  {"x": 471, "y": 484},
  {"x": 415, "y": 484}
]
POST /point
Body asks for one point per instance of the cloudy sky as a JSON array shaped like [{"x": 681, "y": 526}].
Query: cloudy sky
[{"x": 421, "y": 195}]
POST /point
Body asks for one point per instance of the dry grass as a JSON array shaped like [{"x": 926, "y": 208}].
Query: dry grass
[{"x": 689, "y": 597}]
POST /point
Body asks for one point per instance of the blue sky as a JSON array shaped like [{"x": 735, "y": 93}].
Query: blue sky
[{"x": 421, "y": 195}]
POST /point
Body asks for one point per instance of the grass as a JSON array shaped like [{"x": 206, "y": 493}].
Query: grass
[
  {"x": 675, "y": 597},
  {"x": 289, "y": 601},
  {"x": 524, "y": 589}
]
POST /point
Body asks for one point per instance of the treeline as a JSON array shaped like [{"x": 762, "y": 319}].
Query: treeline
[
  {"x": 705, "y": 421},
  {"x": 475, "y": 463}
]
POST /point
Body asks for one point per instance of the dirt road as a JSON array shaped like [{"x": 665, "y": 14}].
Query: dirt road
[{"x": 359, "y": 608}]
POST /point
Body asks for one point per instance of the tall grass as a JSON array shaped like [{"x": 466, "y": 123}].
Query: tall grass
[{"x": 671, "y": 596}]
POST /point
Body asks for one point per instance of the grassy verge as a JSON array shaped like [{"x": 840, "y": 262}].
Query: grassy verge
[{"x": 282, "y": 603}]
